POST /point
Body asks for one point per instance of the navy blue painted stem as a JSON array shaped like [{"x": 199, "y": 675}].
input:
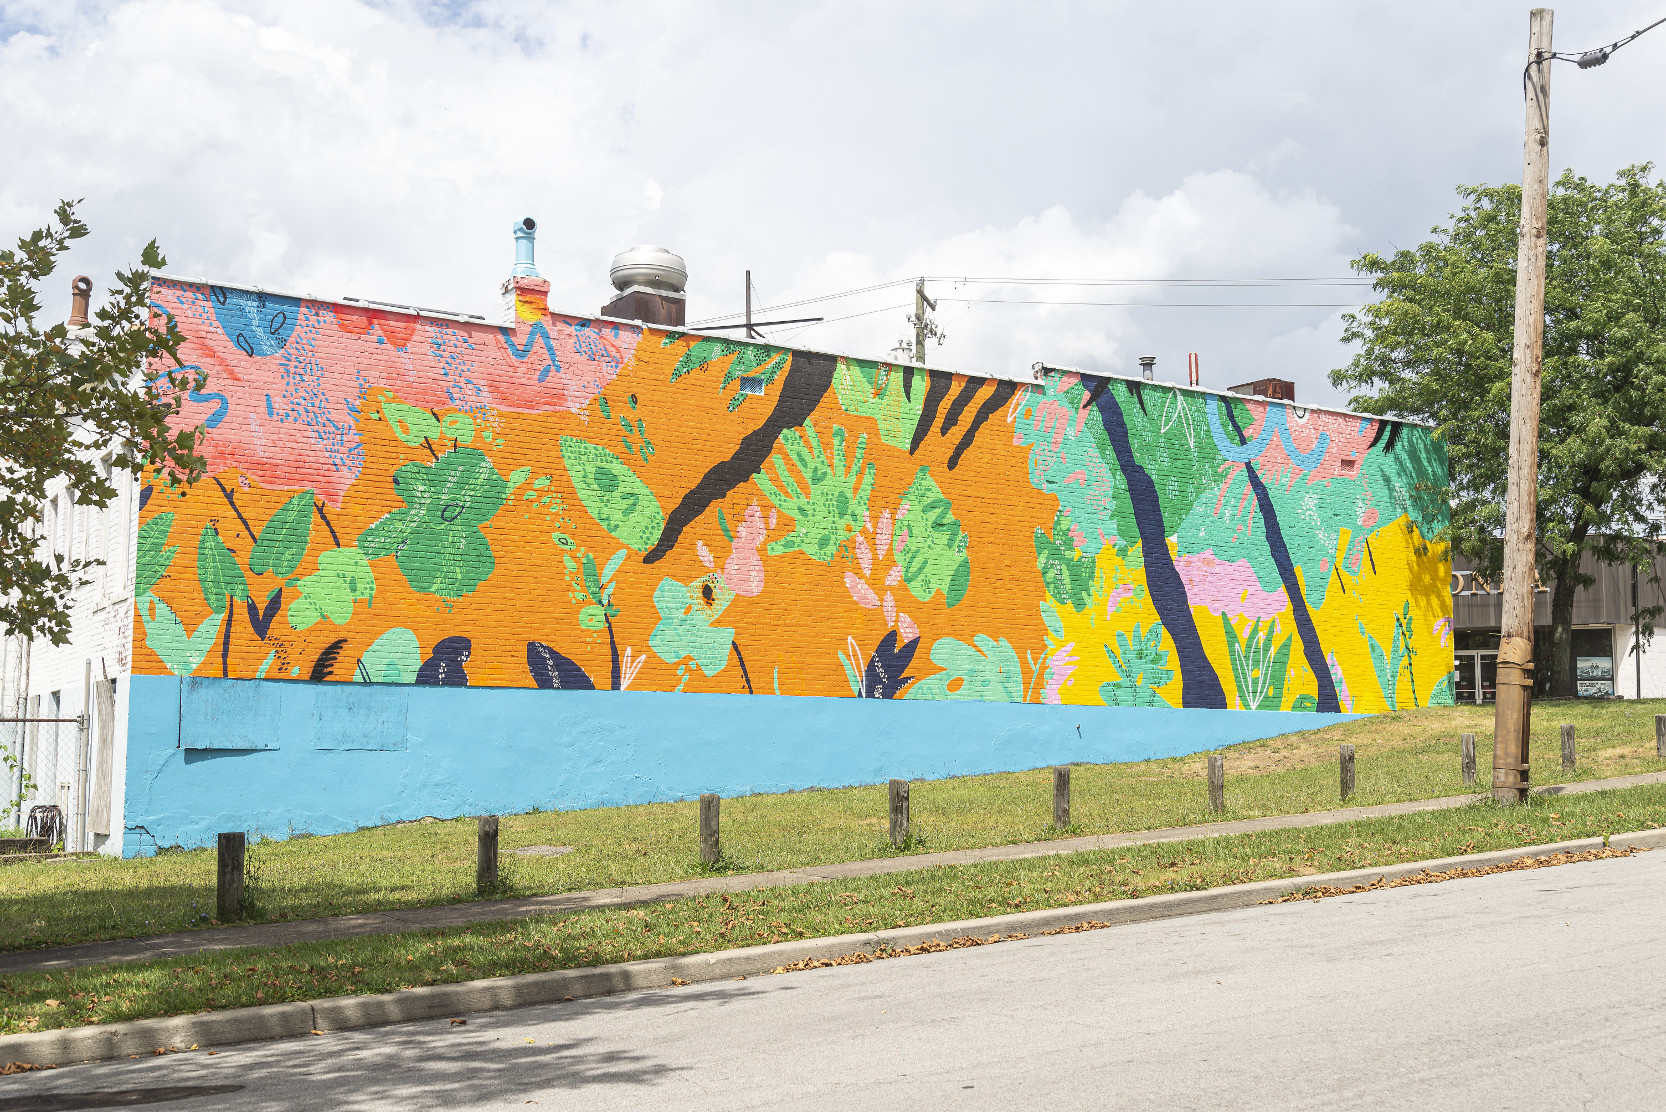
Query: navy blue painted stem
[
  {"x": 1199, "y": 685},
  {"x": 1311, "y": 649}
]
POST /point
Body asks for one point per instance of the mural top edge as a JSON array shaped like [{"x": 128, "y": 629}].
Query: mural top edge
[{"x": 1034, "y": 375}]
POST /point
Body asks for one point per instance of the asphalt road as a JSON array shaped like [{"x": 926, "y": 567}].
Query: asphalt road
[{"x": 1529, "y": 990}]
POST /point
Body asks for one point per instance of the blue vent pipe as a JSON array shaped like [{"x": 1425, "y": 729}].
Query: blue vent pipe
[{"x": 524, "y": 231}]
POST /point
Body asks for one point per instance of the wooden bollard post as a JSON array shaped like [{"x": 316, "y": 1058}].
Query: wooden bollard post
[
  {"x": 1346, "y": 755},
  {"x": 1466, "y": 760},
  {"x": 899, "y": 812},
  {"x": 485, "y": 856},
  {"x": 710, "y": 807},
  {"x": 1217, "y": 784},
  {"x": 1660, "y": 736},
  {"x": 1061, "y": 797},
  {"x": 1568, "y": 755},
  {"x": 228, "y": 888}
]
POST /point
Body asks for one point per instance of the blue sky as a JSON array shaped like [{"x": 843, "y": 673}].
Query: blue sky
[{"x": 383, "y": 150}]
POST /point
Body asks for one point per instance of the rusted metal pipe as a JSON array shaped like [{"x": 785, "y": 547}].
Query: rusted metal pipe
[{"x": 80, "y": 300}]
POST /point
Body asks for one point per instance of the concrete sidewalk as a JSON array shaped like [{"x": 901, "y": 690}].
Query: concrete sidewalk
[{"x": 451, "y": 915}]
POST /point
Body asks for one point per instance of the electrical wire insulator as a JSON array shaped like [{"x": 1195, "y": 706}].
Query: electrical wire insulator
[{"x": 1593, "y": 58}]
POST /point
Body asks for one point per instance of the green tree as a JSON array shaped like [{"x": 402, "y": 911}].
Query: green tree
[
  {"x": 66, "y": 399},
  {"x": 1437, "y": 348}
]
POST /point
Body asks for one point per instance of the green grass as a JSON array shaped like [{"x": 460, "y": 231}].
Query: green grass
[
  {"x": 239, "y": 978},
  {"x": 1401, "y": 756}
]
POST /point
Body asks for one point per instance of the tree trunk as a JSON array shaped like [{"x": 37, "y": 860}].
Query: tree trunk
[{"x": 1561, "y": 629}]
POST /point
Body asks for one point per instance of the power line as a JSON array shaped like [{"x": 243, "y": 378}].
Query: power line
[
  {"x": 1177, "y": 283},
  {"x": 1163, "y": 304}
]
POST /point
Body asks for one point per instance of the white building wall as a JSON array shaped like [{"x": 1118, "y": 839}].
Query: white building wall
[
  {"x": 58, "y": 758},
  {"x": 1653, "y": 661}
]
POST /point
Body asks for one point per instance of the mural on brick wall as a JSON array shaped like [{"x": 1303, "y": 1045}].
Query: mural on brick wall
[{"x": 583, "y": 504}]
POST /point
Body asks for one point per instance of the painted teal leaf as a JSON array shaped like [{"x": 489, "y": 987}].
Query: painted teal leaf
[
  {"x": 284, "y": 538},
  {"x": 152, "y": 558},
  {"x": 166, "y": 636},
  {"x": 218, "y": 571}
]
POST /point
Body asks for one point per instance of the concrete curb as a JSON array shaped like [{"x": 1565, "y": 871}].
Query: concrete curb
[{"x": 348, "y": 1013}]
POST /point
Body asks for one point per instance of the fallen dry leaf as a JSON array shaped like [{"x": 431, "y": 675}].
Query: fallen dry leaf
[
  {"x": 459, "y": 1023},
  {"x": 678, "y": 981},
  {"x": 10, "y": 1068},
  {"x": 1325, "y": 891},
  {"x": 50, "y": 1003}
]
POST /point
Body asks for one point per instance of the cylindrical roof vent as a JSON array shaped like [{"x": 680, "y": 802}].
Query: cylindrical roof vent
[
  {"x": 650, "y": 268},
  {"x": 525, "y": 230}
]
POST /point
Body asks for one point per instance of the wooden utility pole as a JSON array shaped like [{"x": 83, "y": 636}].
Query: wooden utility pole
[
  {"x": 1513, "y": 710},
  {"x": 923, "y": 325}
]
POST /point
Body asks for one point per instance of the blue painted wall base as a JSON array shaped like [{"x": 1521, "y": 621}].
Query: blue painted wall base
[{"x": 274, "y": 758}]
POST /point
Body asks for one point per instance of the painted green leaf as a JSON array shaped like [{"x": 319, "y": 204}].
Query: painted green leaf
[
  {"x": 830, "y": 504},
  {"x": 592, "y": 617},
  {"x": 410, "y": 424},
  {"x": 876, "y": 390},
  {"x": 218, "y": 572},
  {"x": 436, "y": 537},
  {"x": 166, "y": 636},
  {"x": 619, "y": 501},
  {"x": 1066, "y": 571},
  {"x": 987, "y": 669},
  {"x": 1258, "y": 669},
  {"x": 285, "y": 537},
  {"x": 343, "y": 577},
  {"x": 933, "y": 543},
  {"x": 1307, "y": 702},
  {"x": 393, "y": 657},
  {"x": 1050, "y": 617},
  {"x": 152, "y": 558}
]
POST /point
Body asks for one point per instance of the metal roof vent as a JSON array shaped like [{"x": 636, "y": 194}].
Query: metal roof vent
[
  {"x": 525, "y": 230},
  {"x": 649, "y": 268}
]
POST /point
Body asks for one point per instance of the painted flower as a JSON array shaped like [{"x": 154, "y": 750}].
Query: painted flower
[
  {"x": 686, "y": 613},
  {"x": 868, "y": 557},
  {"x": 436, "y": 538}
]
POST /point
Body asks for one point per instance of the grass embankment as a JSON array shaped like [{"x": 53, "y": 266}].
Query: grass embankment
[
  {"x": 384, "y": 963},
  {"x": 1401, "y": 756}
]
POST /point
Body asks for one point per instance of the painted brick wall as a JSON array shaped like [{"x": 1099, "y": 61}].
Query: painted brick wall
[{"x": 586, "y": 504}]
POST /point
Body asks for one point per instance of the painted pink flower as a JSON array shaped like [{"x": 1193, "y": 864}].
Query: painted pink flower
[
  {"x": 744, "y": 570},
  {"x": 1229, "y": 589},
  {"x": 888, "y": 541},
  {"x": 861, "y": 592},
  {"x": 1342, "y": 695},
  {"x": 1060, "y": 666}
]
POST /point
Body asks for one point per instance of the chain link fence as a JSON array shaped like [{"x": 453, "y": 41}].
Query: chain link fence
[{"x": 41, "y": 764}]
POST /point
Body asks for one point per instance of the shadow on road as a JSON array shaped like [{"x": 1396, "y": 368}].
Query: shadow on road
[{"x": 429, "y": 1063}]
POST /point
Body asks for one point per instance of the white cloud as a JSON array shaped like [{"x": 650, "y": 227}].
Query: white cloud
[{"x": 383, "y": 149}]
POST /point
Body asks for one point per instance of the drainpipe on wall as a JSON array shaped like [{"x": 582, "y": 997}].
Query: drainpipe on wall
[{"x": 1636, "y": 633}]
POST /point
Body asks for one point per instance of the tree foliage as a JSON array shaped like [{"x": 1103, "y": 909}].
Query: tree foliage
[
  {"x": 69, "y": 398},
  {"x": 1437, "y": 348}
]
